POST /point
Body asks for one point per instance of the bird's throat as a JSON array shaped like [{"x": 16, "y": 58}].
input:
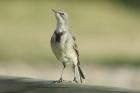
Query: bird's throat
[{"x": 61, "y": 27}]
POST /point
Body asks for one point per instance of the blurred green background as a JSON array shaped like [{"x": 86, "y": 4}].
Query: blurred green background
[{"x": 107, "y": 31}]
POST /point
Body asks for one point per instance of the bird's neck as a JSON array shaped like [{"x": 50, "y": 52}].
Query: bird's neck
[{"x": 61, "y": 27}]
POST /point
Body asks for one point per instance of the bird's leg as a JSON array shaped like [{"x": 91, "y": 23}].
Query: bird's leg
[
  {"x": 74, "y": 73},
  {"x": 61, "y": 79}
]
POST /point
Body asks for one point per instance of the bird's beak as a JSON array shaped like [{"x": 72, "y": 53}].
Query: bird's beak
[{"x": 54, "y": 11}]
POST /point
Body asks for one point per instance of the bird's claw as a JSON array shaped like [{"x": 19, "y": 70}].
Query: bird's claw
[
  {"x": 74, "y": 80},
  {"x": 60, "y": 80}
]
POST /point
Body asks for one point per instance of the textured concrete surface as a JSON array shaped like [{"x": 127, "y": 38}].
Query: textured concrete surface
[
  {"x": 10, "y": 84},
  {"x": 122, "y": 76}
]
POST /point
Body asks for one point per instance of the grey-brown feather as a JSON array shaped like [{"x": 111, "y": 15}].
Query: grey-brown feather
[{"x": 75, "y": 47}]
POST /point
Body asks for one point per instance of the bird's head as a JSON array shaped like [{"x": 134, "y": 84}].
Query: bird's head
[{"x": 61, "y": 16}]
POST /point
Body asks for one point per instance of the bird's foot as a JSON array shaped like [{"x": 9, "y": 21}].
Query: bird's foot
[
  {"x": 74, "y": 80},
  {"x": 60, "y": 80}
]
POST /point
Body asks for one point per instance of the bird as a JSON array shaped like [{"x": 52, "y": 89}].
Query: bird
[{"x": 64, "y": 47}]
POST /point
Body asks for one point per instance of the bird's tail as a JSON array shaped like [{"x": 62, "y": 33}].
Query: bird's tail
[{"x": 79, "y": 74}]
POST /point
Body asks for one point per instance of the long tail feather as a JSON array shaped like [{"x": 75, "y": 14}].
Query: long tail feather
[{"x": 79, "y": 74}]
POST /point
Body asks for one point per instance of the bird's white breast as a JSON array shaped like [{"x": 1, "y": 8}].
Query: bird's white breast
[{"x": 63, "y": 50}]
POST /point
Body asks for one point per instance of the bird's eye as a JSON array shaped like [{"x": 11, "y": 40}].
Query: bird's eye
[{"x": 61, "y": 14}]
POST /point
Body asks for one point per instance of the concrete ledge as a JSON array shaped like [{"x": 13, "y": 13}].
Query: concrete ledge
[{"x": 9, "y": 84}]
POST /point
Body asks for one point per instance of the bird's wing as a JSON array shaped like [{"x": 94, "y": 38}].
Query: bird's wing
[{"x": 75, "y": 47}]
